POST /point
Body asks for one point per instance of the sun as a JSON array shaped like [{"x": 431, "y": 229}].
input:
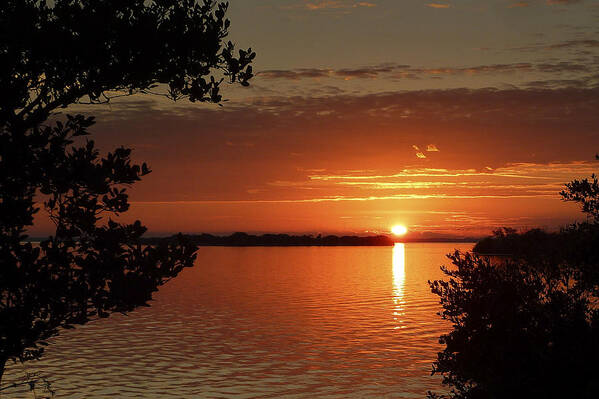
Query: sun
[{"x": 399, "y": 230}]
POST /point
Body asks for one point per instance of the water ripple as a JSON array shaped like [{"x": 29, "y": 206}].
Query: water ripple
[{"x": 265, "y": 323}]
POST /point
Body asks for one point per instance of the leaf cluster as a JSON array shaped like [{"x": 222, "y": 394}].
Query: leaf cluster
[
  {"x": 62, "y": 52},
  {"x": 88, "y": 269},
  {"x": 526, "y": 323},
  {"x": 54, "y": 54}
]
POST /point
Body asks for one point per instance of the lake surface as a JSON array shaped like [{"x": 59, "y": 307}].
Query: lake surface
[{"x": 327, "y": 322}]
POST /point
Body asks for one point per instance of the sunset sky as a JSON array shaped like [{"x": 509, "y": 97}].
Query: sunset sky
[{"x": 450, "y": 117}]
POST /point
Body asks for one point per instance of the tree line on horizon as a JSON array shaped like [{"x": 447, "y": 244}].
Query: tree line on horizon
[
  {"x": 250, "y": 240},
  {"x": 283, "y": 239}
]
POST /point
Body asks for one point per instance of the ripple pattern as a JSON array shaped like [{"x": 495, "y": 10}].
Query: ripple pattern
[{"x": 265, "y": 323}]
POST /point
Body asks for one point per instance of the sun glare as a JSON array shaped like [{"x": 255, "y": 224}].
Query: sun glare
[{"x": 399, "y": 230}]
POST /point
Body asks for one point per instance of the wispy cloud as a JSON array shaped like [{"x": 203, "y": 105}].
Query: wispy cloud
[
  {"x": 590, "y": 43},
  {"x": 322, "y": 5},
  {"x": 521, "y": 180},
  {"x": 295, "y": 74},
  {"x": 367, "y": 72},
  {"x": 572, "y": 44},
  {"x": 342, "y": 198},
  {"x": 557, "y": 171},
  {"x": 562, "y": 2},
  {"x": 528, "y": 3},
  {"x": 419, "y": 154},
  {"x": 397, "y": 71},
  {"x": 438, "y": 5},
  {"x": 508, "y": 182},
  {"x": 519, "y": 4},
  {"x": 382, "y": 161}
]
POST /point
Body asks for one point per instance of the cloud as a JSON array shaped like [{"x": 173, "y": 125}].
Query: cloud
[
  {"x": 527, "y": 3},
  {"x": 562, "y": 67},
  {"x": 438, "y": 5},
  {"x": 563, "y": 45},
  {"x": 432, "y": 148},
  {"x": 317, "y": 5},
  {"x": 522, "y": 67},
  {"x": 562, "y": 2},
  {"x": 399, "y": 71},
  {"x": 419, "y": 154},
  {"x": 518, "y": 180},
  {"x": 230, "y": 143},
  {"x": 557, "y": 83},
  {"x": 519, "y": 4},
  {"x": 528, "y": 138},
  {"x": 541, "y": 172},
  {"x": 589, "y": 43},
  {"x": 338, "y": 198},
  {"x": 512, "y": 181},
  {"x": 513, "y": 125},
  {"x": 368, "y": 72},
  {"x": 295, "y": 74}
]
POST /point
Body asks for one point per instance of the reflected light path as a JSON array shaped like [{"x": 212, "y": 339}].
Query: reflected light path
[
  {"x": 399, "y": 282},
  {"x": 265, "y": 322}
]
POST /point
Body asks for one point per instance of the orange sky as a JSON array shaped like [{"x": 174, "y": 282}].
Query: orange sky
[{"x": 473, "y": 123}]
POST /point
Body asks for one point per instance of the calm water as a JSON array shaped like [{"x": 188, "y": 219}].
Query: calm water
[{"x": 267, "y": 322}]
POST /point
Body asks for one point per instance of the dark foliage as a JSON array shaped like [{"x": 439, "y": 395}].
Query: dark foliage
[
  {"x": 507, "y": 242},
  {"x": 93, "y": 50},
  {"x": 526, "y": 324},
  {"x": 282, "y": 240},
  {"x": 53, "y": 54},
  {"x": 586, "y": 193}
]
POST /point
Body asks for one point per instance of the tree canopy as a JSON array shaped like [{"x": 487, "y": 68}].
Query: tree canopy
[
  {"x": 53, "y": 54},
  {"x": 57, "y": 53},
  {"x": 525, "y": 324}
]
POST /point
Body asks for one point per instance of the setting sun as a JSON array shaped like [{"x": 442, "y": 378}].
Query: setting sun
[{"x": 399, "y": 230}]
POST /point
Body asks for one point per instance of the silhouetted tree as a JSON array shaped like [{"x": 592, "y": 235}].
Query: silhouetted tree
[
  {"x": 526, "y": 325},
  {"x": 61, "y": 52},
  {"x": 586, "y": 193}
]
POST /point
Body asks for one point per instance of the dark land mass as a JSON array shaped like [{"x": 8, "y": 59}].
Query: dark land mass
[
  {"x": 507, "y": 242},
  {"x": 286, "y": 240},
  {"x": 574, "y": 244}
]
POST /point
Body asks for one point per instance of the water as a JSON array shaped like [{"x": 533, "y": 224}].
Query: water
[{"x": 263, "y": 323}]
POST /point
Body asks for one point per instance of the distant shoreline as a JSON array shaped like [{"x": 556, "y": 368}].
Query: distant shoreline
[{"x": 286, "y": 240}]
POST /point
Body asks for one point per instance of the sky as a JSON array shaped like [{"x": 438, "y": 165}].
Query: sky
[{"x": 451, "y": 117}]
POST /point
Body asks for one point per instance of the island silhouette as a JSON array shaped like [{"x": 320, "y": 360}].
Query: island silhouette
[{"x": 241, "y": 239}]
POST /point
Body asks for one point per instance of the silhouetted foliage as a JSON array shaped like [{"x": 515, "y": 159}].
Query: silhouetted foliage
[
  {"x": 281, "y": 240},
  {"x": 586, "y": 193},
  {"x": 525, "y": 324},
  {"x": 91, "y": 51},
  {"x": 506, "y": 241},
  {"x": 57, "y": 53}
]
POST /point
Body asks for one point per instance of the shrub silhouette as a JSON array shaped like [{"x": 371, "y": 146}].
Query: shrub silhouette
[
  {"x": 526, "y": 324},
  {"x": 52, "y": 55}
]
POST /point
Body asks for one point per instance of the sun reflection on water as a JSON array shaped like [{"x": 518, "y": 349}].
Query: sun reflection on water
[{"x": 399, "y": 282}]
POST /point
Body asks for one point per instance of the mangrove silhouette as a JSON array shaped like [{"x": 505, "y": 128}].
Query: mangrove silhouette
[
  {"x": 280, "y": 240},
  {"x": 240, "y": 239},
  {"x": 528, "y": 325},
  {"x": 64, "y": 52},
  {"x": 574, "y": 243}
]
